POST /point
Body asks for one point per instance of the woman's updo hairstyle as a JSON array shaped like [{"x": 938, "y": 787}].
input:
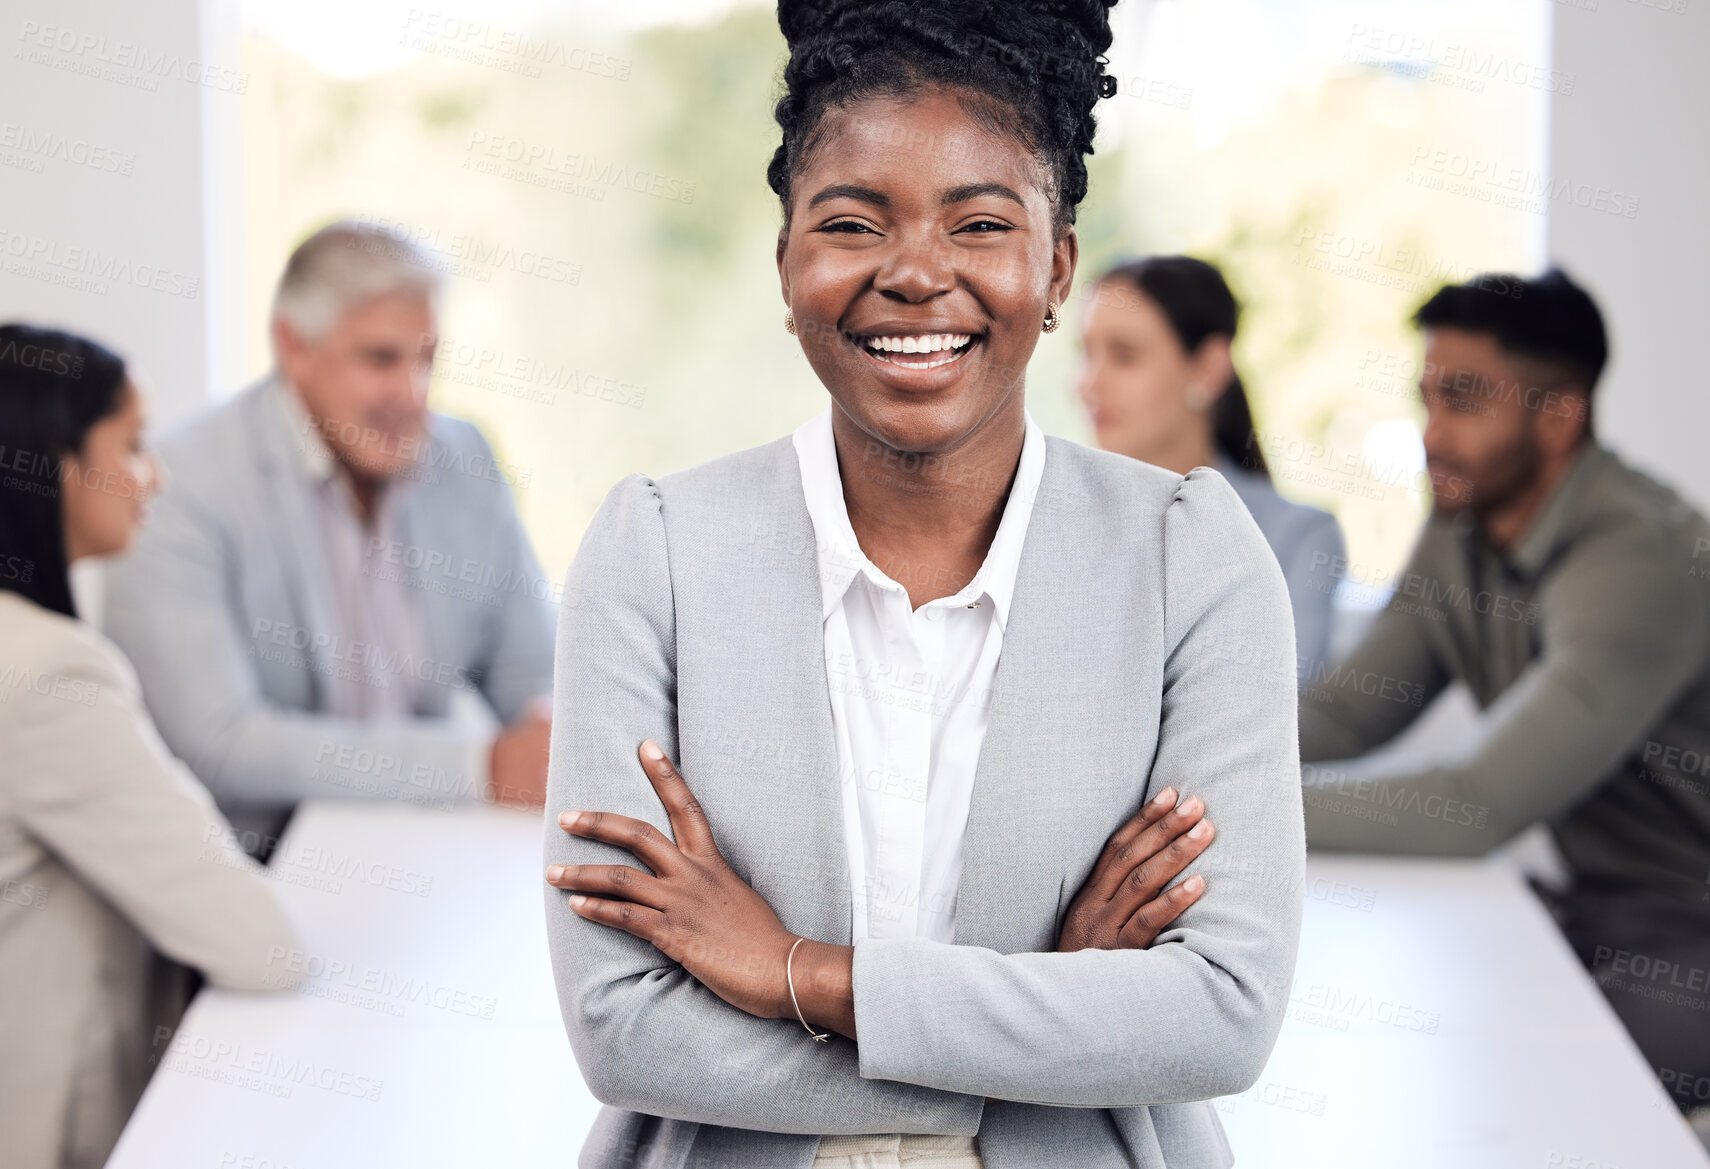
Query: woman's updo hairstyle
[{"x": 1037, "y": 63}]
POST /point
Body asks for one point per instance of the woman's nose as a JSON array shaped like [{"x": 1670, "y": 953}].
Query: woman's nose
[
  {"x": 916, "y": 270},
  {"x": 155, "y": 477}
]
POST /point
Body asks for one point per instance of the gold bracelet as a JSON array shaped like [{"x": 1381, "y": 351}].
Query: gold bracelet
[{"x": 821, "y": 1036}]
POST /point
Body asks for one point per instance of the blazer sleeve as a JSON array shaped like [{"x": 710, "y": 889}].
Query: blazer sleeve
[
  {"x": 168, "y": 606},
  {"x": 1627, "y": 635},
  {"x": 647, "y": 1036},
  {"x": 93, "y": 783},
  {"x": 1353, "y": 706},
  {"x": 517, "y": 666},
  {"x": 1315, "y": 565},
  {"x": 1195, "y": 1015}
]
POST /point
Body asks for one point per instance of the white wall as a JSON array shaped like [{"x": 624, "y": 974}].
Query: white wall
[
  {"x": 1638, "y": 124},
  {"x": 104, "y": 193}
]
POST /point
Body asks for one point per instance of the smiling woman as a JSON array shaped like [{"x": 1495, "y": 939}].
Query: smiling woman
[{"x": 937, "y": 685}]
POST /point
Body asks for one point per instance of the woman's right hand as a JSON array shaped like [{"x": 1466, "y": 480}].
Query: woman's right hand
[{"x": 1119, "y": 907}]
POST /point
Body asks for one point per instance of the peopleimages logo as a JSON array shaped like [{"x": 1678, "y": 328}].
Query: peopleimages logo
[
  {"x": 480, "y": 42},
  {"x": 1486, "y": 179},
  {"x": 1393, "y": 266},
  {"x": 87, "y": 267},
  {"x": 545, "y": 161},
  {"x": 1458, "y": 66},
  {"x": 41, "y": 357},
  {"x": 40, "y": 146},
  {"x": 119, "y": 60},
  {"x": 79, "y": 690},
  {"x": 461, "y": 254}
]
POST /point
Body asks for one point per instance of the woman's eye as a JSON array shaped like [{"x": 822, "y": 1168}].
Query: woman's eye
[
  {"x": 987, "y": 227},
  {"x": 848, "y": 226}
]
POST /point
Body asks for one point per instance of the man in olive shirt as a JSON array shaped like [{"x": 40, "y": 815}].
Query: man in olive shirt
[{"x": 1571, "y": 594}]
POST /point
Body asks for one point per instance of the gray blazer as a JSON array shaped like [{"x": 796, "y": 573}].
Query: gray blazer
[
  {"x": 225, "y": 607},
  {"x": 107, "y": 844},
  {"x": 1149, "y": 645},
  {"x": 1308, "y": 545}
]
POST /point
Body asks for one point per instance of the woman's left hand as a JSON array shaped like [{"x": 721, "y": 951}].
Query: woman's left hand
[{"x": 693, "y": 908}]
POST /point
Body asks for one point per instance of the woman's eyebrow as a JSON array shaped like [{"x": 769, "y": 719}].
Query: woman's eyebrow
[
  {"x": 851, "y": 191},
  {"x": 976, "y": 190},
  {"x": 879, "y": 199}
]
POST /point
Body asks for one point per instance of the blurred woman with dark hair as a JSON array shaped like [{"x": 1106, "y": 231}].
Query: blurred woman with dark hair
[
  {"x": 107, "y": 843},
  {"x": 1160, "y": 386}
]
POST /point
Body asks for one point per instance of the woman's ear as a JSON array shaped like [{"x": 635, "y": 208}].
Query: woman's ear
[
  {"x": 783, "y": 275},
  {"x": 1213, "y": 366},
  {"x": 1065, "y": 254}
]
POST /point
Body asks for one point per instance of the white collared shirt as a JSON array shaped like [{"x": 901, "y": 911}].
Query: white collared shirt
[
  {"x": 910, "y": 693},
  {"x": 379, "y": 621},
  {"x": 378, "y": 612}
]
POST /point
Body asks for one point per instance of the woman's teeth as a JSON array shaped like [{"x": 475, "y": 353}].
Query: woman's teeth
[{"x": 950, "y": 345}]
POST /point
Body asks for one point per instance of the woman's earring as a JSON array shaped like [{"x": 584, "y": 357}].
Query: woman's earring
[
  {"x": 1052, "y": 320},
  {"x": 789, "y": 322}
]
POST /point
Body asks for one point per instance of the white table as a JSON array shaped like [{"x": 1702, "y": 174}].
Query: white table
[
  {"x": 403, "y": 1011},
  {"x": 1438, "y": 1020}
]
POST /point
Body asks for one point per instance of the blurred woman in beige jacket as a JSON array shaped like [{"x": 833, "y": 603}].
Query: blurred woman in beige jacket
[{"x": 109, "y": 848}]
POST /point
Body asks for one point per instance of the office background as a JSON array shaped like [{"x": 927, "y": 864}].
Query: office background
[{"x": 592, "y": 178}]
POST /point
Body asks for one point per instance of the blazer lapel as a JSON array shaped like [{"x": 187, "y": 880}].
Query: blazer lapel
[
  {"x": 1012, "y": 859},
  {"x": 1041, "y": 794},
  {"x": 297, "y": 528},
  {"x": 771, "y": 738},
  {"x": 821, "y": 840}
]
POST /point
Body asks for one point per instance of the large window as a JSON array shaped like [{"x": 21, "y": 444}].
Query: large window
[{"x": 596, "y": 193}]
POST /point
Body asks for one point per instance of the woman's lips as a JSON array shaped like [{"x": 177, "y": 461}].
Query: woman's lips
[
  {"x": 922, "y": 360},
  {"x": 944, "y": 354}
]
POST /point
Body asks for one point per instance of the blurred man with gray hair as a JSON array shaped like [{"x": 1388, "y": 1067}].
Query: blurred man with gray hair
[{"x": 335, "y": 598}]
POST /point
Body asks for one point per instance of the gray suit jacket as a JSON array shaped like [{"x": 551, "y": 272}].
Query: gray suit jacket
[
  {"x": 1308, "y": 545},
  {"x": 225, "y": 607},
  {"x": 1149, "y": 644}
]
